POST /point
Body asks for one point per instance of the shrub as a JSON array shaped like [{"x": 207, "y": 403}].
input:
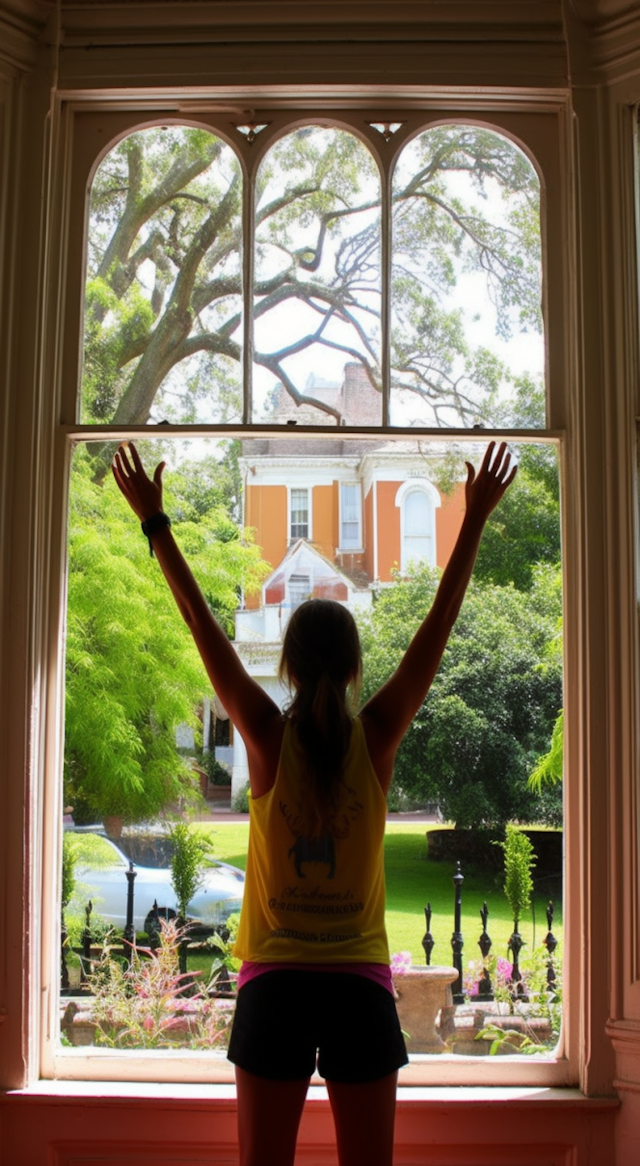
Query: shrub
[
  {"x": 519, "y": 860},
  {"x": 68, "y": 879},
  {"x": 190, "y": 853},
  {"x": 146, "y": 1006},
  {"x": 240, "y": 800},
  {"x": 217, "y": 773}
]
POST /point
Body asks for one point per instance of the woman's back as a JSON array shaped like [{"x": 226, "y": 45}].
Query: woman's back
[{"x": 316, "y": 896}]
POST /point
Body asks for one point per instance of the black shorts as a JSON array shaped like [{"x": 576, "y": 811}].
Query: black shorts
[{"x": 284, "y": 1018}]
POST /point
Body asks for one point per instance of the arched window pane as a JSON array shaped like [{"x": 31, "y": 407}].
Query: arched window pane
[
  {"x": 163, "y": 296},
  {"x": 466, "y": 327},
  {"x": 317, "y": 281},
  {"x": 416, "y": 514},
  {"x": 417, "y": 528}
]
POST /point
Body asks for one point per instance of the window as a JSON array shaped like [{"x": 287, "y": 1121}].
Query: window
[
  {"x": 350, "y": 516},
  {"x": 299, "y": 524},
  {"x": 417, "y": 525},
  {"x": 299, "y": 589},
  {"x": 168, "y": 332},
  {"x": 356, "y": 318}
]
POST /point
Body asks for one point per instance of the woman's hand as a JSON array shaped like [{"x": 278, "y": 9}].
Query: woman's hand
[
  {"x": 485, "y": 488},
  {"x": 144, "y": 494}
]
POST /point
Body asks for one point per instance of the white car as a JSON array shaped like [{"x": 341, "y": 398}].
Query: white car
[{"x": 101, "y": 876}]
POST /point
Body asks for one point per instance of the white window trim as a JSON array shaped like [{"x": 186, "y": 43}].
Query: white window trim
[
  {"x": 425, "y": 487},
  {"x": 357, "y": 547},
  {"x": 291, "y": 538}
]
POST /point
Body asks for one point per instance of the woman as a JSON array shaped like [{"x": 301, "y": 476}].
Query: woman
[{"x": 315, "y": 976}]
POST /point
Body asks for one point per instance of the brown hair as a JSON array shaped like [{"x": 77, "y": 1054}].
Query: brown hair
[{"x": 321, "y": 660}]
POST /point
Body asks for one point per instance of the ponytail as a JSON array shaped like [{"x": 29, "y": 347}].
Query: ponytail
[{"x": 321, "y": 660}]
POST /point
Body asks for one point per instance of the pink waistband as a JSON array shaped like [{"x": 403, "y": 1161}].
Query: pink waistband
[{"x": 379, "y": 973}]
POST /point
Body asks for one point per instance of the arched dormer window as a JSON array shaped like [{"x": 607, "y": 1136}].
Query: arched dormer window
[{"x": 417, "y": 501}]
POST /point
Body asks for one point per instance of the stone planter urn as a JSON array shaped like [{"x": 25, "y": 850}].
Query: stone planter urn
[{"x": 420, "y": 994}]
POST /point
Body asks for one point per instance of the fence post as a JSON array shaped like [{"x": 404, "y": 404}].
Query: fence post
[
  {"x": 457, "y": 942},
  {"x": 515, "y": 945},
  {"x": 64, "y": 971},
  {"x": 551, "y": 943},
  {"x": 485, "y": 987},
  {"x": 129, "y": 930},
  {"x": 85, "y": 961},
  {"x": 428, "y": 941}
]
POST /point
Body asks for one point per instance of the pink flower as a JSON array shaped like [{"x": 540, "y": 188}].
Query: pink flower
[
  {"x": 504, "y": 971},
  {"x": 400, "y": 962}
]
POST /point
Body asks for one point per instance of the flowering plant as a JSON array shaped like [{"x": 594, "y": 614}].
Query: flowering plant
[
  {"x": 400, "y": 962},
  {"x": 152, "y": 1004},
  {"x": 499, "y": 970}
]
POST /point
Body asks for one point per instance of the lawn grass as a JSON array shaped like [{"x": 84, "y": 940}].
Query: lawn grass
[{"x": 412, "y": 881}]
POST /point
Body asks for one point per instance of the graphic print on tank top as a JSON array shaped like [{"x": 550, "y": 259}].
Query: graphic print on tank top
[{"x": 308, "y": 848}]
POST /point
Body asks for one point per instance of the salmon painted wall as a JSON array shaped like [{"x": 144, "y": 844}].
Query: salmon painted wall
[
  {"x": 324, "y": 520},
  {"x": 367, "y": 531},
  {"x": 388, "y": 529},
  {"x": 266, "y": 513},
  {"x": 448, "y": 522}
]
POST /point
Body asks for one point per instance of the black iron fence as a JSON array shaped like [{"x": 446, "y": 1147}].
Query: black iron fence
[{"x": 484, "y": 988}]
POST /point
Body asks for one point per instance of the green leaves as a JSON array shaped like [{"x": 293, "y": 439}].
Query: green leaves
[
  {"x": 493, "y": 702},
  {"x": 133, "y": 672},
  {"x": 188, "y": 861},
  {"x": 519, "y": 860}
]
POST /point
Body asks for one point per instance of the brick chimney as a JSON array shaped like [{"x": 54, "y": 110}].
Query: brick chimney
[{"x": 360, "y": 403}]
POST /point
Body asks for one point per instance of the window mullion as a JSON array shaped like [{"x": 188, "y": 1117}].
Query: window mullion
[
  {"x": 248, "y": 236},
  {"x": 385, "y": 305}
]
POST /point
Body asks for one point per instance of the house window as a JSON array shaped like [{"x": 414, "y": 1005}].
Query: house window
[
  {"x": 368, "y": 265},
  {"x": 417, "y": 534},
  {"x": 299, "y": 589},
  {"x": 299, "y": 523},
  {"x": 350, "y": 516}
]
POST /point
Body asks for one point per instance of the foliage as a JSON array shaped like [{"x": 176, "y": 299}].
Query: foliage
[
  {"x": 68, "y": 879},
  {"x": 549, "y": 767},
  {"x": 145, "y": 1005},
  {"x": 541, "y": 1003},
  {"x": 133, "y": 672},
  {"x": 519, "y": 860},
  {"x": 191, "y": 851},
  {"x": 524, "y": 531},
  {"x": 90, "y": 849},
  {"x": 224, "y": 961},
  {"x": 471, "y": 745},
  {"x": 217, "y": 773},
  {"x": 240, "y": 800},
  {"x": 163, "y": 319}
]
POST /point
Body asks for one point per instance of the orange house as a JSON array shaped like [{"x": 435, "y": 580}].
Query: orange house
[{"x": 370, "y": 508}]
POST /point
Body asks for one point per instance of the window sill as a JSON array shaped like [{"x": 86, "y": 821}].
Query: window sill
[{"x": 461, "y": 1097}]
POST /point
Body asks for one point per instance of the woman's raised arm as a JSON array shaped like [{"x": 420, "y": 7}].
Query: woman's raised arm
[
  {"x": 248, "y": 705},
  {"x": 388, "y": 713}
]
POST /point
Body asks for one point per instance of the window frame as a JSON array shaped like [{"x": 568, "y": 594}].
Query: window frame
[
  {"x": 429, "y": 492},
  {"x": 291, "y": 537},
  {"x": 352, "y": 546},
  {"x": 528, "y": 123}
]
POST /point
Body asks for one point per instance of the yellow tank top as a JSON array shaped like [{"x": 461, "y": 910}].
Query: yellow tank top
[{"x": 316, "y": 900}]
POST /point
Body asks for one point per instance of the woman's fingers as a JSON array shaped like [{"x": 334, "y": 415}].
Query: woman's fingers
[
  {"x": 136, "y": 459},
  {"x": 499, "y": 463}
]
